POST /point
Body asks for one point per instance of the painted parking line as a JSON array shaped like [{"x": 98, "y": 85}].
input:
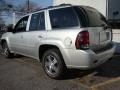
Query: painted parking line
[
  {"x": 96, "y": 87},
  {"x": 85, "y": 87}
]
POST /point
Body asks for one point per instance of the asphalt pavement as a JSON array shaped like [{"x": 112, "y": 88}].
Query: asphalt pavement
[{"x": 23, "y": 73}]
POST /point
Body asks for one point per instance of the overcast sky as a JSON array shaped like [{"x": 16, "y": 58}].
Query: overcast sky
[{"x": 42, "y": 3}]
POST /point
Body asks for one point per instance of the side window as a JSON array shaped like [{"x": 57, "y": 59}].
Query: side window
[
  {"x": 37, "y": 22},
  {"x": 63, "y": 18},
  {"x": 21, "y": 25}
]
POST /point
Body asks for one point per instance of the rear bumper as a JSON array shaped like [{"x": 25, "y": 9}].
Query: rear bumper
[{"x": 86, "y": 59}]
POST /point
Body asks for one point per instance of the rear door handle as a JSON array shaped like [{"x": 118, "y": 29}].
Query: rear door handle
[{"x": 21, "y": 36}]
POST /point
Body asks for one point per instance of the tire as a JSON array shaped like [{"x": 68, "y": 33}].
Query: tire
[
  {"x": 6, "y": 51},
  {"x": 53, "y": 64}
]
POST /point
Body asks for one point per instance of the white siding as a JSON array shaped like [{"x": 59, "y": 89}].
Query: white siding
[{"x": 98, "y": 4}]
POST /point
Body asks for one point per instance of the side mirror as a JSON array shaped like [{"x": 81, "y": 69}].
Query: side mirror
[{"x": 10, "y": 28}]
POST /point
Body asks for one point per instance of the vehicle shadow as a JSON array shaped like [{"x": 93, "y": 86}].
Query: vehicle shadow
[
  {"x": 110, "y": 69},
  {"x": 76, "y": 73}
]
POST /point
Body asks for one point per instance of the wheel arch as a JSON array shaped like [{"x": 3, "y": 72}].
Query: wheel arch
[{"x": 44, "y": 48}]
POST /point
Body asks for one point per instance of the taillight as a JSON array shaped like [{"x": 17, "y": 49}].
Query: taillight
[{"x": 82, "y": 40}]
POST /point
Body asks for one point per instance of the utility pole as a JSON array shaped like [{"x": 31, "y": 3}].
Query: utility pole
[
  {"x": 28, "y": 5},
  {"x": 14, "y": 21}
]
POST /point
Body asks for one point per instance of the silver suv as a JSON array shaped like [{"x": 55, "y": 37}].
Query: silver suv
[{"x": 61, "y": 37}]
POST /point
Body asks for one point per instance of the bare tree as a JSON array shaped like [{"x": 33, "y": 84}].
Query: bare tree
[
  {"x": 8, "y": 8},
  {"x": 2, "y": 6},
  {"x": 25, "y": 8}
]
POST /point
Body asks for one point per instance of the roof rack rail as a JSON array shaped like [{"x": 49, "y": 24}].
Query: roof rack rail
[
  {"x": 50, "y": 6},
  {"x": 64, "y": 4}
]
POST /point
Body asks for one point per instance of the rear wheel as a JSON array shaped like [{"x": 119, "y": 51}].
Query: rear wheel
[
  {"x": 6, "y": 51},
  {"x": 53, "y": 64}
]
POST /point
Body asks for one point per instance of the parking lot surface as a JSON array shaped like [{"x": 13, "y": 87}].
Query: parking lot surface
[{"x": 22, "y": 73}]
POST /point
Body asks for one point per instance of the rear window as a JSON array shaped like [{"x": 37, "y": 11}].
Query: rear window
[{"x": 90, "y": 17}]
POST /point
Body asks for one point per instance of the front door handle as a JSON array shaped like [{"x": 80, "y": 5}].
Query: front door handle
[{"x": 40, "y": 36}]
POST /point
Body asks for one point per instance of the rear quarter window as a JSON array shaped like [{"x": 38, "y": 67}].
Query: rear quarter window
[{"x": 63, "y": 18}]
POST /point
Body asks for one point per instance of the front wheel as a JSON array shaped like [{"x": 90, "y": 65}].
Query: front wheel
[
  {"x": 6, "y": 51},
  {"x": 53, "y": 64}
]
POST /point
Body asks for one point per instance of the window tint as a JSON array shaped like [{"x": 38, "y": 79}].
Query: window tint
[
  {"x": 63, "y": 18},
  {"x": 95, "y": 18},
  {"x": 37, "y": 22},
  {"x": 21, "y": 25},
  {"x": 90, "y": 17}
]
